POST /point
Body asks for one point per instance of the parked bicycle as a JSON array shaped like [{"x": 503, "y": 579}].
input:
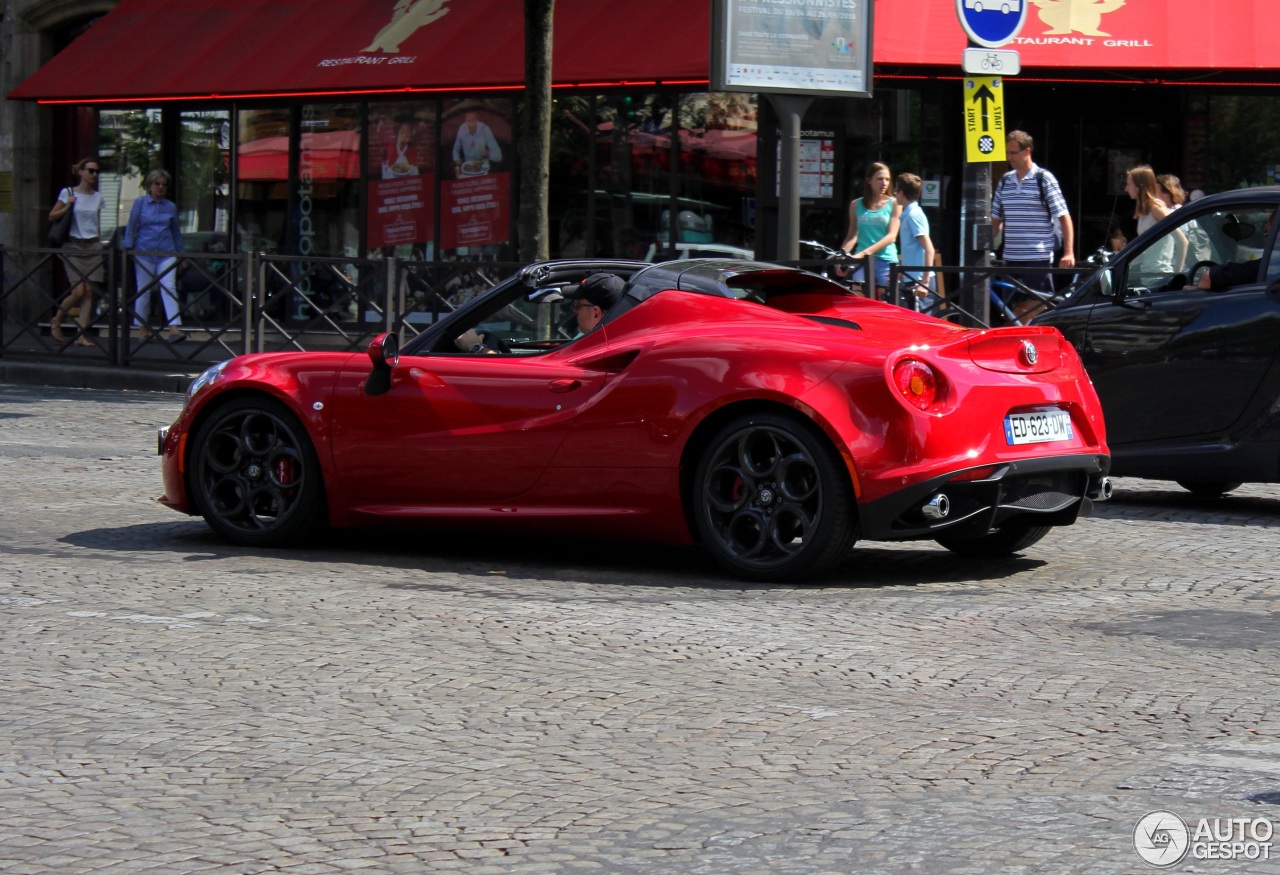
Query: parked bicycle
[{"x": 836, "y": 258}]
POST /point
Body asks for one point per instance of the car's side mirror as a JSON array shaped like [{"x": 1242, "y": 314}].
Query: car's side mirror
[{"x": 384, "y": 352}]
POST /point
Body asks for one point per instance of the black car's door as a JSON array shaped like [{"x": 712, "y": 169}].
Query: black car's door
[{"x": 1172, "y": 363}]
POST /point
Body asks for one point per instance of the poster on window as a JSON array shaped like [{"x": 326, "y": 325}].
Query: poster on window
[
  {"x": 400, "y": 211},
  {"x": 476, "y": 211}
]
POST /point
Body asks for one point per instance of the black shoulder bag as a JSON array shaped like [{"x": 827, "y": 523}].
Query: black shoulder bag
[{"x": 60, "y": 230}]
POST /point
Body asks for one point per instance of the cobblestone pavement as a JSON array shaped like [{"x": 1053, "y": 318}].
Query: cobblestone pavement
[{"x": 171, "y": 704}]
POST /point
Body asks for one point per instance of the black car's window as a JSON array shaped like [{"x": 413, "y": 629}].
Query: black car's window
[{"x": 1217, "y": 237}]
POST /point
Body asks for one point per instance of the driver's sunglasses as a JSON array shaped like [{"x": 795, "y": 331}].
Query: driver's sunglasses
[{"x": 581, "y": 305}]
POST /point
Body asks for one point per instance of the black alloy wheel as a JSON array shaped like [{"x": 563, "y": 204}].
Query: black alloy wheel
[
  {"x": 772, "y": 499},
  {"x": 255, "y": 475}
]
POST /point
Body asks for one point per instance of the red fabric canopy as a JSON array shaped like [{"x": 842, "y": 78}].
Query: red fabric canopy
[
  {"x": 174, "y": 49},
  {"x": 1157, "y": 35}
]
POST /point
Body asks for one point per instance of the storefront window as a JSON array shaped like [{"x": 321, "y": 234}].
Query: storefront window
[
  {"x": 262, "y": 178},
  {"x": 129, "y": 148},
  {"x": 203, "y": 171},
  {"x": 475, "y": 196},
  {"x": 1244, "y": 142},
  {"x": 401, "y": 169},
  {"x": 328, "y": 190},
  {"x": 688, "y": 156},
  {"x": 571, "y": 196}
]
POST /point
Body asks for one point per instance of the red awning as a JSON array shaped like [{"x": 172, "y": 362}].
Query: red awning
[
  {"x": 146, "y": 50},
  {"x": 1094, "y": 35}
]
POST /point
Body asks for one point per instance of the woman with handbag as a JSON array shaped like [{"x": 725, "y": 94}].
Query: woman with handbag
[{"x": 82, "y": 247}]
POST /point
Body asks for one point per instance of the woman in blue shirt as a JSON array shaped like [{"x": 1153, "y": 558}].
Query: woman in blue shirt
[{"x": 153, "y": 227}]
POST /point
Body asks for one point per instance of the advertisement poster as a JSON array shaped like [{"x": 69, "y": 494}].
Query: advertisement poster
[
  {"x": 796, "y": 48},
  {"x": 400, "y": 211},
  {"x": 476, "y": 211},
  {"x": 821, "y": 163},
  {"x": 475, "y": 196}
]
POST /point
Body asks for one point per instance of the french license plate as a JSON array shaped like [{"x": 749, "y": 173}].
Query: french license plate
[{"x": 1039, "y": 427}]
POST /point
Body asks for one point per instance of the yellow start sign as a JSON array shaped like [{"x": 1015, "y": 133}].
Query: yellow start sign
[{"x": 984, "y": 119}]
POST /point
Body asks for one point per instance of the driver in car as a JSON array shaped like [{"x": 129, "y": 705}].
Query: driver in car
[
  {"x": 593, "y": 297},
  {"x": 1236, "y": 273}
]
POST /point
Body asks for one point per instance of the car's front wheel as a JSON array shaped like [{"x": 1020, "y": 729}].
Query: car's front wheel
[
  {"x": 255, "y": 475},
  {"x": 1007, "y": 539},
  {"x": 772, "y": 499}
]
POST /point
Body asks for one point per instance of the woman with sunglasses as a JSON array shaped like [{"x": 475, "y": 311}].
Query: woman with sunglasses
[{"x": 82, "y": 253}]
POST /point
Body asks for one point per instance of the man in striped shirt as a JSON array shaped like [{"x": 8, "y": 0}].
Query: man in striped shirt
[{"x": 1028, "y": 202}]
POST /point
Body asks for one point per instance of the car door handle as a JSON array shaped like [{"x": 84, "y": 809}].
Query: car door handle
[{"x": 562, "y": 386}]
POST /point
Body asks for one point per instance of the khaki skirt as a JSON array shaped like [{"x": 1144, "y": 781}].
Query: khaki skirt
[{"x": 83, "y": 260}]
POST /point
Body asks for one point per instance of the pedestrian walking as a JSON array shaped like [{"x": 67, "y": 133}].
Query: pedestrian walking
[
  {"x": 1140, "y": 184},
  {"x": 1031, "y": 214},
  {"x": 82, "y": 250},
  {"x": 873, "y": 228},
  {"x": 915, "y": 246},
  {"x": 153, "y": 227}
]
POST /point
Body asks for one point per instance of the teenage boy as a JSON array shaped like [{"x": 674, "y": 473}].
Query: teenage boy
[{"x": 915, "y": 246}]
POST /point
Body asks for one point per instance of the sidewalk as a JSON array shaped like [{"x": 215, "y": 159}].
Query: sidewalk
[{"x": 100, "y": 376}]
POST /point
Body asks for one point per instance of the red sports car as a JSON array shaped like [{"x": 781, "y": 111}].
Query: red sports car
[{"x": 763, "y": 411}]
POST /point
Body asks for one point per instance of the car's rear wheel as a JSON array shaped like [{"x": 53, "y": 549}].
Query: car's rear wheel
[
  {"x": 772, "y": 499},
  {"x": 1007, "y": 539},
  {"x": 255, "y": 475},
  {"x": 1209, "y": 488}
]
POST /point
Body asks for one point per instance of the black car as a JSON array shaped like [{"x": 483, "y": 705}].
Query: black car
[{"x": 1189, "y": 376}]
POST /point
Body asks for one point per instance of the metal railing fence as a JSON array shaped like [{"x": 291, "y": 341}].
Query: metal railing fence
[{"x": 160, "y": 309}]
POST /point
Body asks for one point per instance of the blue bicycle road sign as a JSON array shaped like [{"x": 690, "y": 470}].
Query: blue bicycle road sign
[{"x": 992, "y": 23}]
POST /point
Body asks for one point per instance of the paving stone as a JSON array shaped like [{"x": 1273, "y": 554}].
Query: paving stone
[{"x": 424, "y": 702}]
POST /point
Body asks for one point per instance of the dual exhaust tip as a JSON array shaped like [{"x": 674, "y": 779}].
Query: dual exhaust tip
[{"x": 939, "y": 506}]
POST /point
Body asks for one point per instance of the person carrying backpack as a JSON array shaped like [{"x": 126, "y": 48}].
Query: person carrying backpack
[{"x": 1030, "y": 211}]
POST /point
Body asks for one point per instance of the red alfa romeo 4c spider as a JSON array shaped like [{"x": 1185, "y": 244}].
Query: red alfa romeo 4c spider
[{"x": 764, "y": 412}]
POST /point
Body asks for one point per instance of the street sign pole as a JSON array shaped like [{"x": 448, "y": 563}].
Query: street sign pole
[
  {"x": 987, "y": 28},
  {"x": 790, "y": 109},
  {"x": 976, "y": 217}
]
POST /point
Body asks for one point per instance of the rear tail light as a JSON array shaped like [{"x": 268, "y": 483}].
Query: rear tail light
[{"x": 916, "y": 382}]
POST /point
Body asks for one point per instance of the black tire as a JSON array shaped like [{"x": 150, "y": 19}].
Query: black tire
[
  {"x": 1209, "y": 488},
  {"x": 255, "y": 476},
  {"x": 772, "y": 499},
  {"x": 1003, "y": 541}
]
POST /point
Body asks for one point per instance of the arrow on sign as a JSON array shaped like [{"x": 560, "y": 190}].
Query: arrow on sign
[{"x": 984, "y": 95}]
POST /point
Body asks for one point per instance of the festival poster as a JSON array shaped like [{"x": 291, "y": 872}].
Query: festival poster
[
  {"x": 475, "y": 211},
  {"x": 400, "y": 211}
]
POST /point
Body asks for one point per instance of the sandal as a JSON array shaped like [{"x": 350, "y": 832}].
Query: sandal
[{"x": 84, "y": 341}]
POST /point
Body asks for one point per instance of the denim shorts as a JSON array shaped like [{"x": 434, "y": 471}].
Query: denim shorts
[{"x": 882, "y": 272}]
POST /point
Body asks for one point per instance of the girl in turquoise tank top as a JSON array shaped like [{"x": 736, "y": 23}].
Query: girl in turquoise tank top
[{"x": 873, "y": 227}]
